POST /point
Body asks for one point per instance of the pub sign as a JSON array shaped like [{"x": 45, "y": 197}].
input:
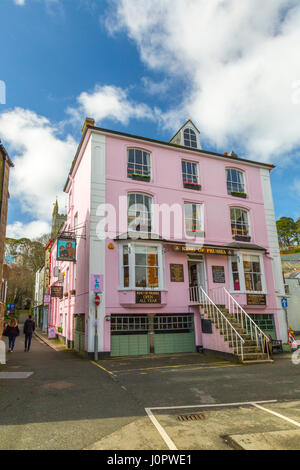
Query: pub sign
[{"x": 66, "y": 249}]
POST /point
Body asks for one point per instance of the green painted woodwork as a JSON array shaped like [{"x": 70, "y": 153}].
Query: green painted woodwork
[
  {"x": 129, "y": 345},
  {"x": 174, "y": 343}
]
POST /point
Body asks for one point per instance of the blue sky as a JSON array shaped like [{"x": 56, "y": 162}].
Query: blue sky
[{"x": 142, "y": 67}]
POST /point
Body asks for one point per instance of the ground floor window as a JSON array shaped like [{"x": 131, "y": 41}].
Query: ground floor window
[
  {"x": 141, "y": 266},
  {"x": 266, "y": 322},
  {"x": 247, "y": 273}
]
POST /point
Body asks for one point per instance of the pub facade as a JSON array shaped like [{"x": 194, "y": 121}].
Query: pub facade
[{"x": 182, "y": 243}]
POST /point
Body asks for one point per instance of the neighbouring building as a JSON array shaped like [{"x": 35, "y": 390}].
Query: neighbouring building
[
  {"x": 39, "y": 298},
  {"x": 5, "y": 165},
  {"x": 292, "y": 290},
  {"x": 290, "y": 262},
  {"x": 42, "y": 277},
  {"x": 184, "y": 253}
]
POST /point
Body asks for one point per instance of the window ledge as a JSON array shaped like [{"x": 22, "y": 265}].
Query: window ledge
[
  {"x": 238, "y": 194},
  {"x": 140, "y": 178},
  {"x": 242, "y": 238},
  {"x": 195, "y": 186}
]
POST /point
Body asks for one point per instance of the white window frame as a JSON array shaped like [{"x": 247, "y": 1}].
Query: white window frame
[
  {"x": 243, "y": 290},
  {"x": 243, "y": 183},
  {"x": 150, "y": 161},
  {"x": 151, "y": 209},
  {"x": 201, "y": 218},
  {"x": 190, "y": 140},
  {"x": 248, "y": 220},
  {"x": 131, "y": 261},
  {"x": 190, "y": 174}
]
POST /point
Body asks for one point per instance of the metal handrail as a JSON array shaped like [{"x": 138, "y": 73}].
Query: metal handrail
[
  {"x": 242, "y": 316},
  {"x": 216, "y": 313}
]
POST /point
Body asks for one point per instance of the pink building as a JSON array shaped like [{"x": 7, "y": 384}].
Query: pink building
[{"x": 184, "y": 241}]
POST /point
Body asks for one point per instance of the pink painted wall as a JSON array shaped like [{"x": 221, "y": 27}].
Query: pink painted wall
[{"x": 165, "y": 187}]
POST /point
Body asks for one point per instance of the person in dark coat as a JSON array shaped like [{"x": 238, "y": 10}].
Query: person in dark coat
[
  {"x": 29, "y": 327},
  {"x": 12, "y": 331}
]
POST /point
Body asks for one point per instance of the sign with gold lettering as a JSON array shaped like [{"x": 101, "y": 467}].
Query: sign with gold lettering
[
  {"x": 147, "y": 297},
  {"x": 256, "y": 299},
  {"x": 206, "y": 250},
  {"x": 57, "y": 291},
  {"x": 176, "y": 271}
]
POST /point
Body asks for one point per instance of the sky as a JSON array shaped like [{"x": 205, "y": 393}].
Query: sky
[{"x": 144, "y": 67}]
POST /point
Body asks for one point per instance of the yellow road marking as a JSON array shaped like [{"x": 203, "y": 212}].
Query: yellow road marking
[
  {"x": 214, "y": 366},
  {"x": 103, "y": 368}
]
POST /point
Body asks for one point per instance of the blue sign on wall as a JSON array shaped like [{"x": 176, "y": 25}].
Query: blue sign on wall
[{"x": 284, "y": 302}]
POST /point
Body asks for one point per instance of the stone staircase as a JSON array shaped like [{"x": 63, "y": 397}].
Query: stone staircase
[{"x": 251, "y": 352}]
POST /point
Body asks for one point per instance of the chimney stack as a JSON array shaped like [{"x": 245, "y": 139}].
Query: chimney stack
[{"x": 88, "y": 122}]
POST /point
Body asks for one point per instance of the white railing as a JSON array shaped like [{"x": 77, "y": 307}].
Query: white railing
[
  {"x": 199, "y": 296},
  {"x": 222, "y": 297}
]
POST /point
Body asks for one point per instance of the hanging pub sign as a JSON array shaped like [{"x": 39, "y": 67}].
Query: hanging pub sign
[
  {"x": 218, "y": 273},
  {"x": 57, "y": 291},
  {"x": 176, "y": 271},
  {"x": 256, "y": 299},
  {"x": 66, "y": 249},
  {"x": 206, "y": 250},
  {"x": 148, "y": 297}
]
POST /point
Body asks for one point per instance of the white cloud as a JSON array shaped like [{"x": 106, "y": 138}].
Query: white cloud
[
  {"x": 239, "y": 61},
  {"x": 42, "y": 160},
  {"x": 19, "y": 2},
  {"x": 155, "y": 88},
  {"x": 110, "y": 102},
  {"x": 31, "y": 230}
]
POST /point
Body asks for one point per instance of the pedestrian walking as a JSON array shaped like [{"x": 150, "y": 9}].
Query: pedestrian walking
[
  {"x": 29, "y": 327},
  {"x": 12, "y": 331}
]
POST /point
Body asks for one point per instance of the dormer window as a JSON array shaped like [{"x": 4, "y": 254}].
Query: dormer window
[{"x": 190, "y": 139}]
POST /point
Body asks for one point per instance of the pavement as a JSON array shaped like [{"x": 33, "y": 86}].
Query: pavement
[{"x": 55, "y": 399}]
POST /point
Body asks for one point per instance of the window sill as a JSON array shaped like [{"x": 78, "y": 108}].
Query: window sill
[
  {"x": 242, "y": 239},
  {"x": 238, "y": 194},
  {"x": 195, "y": 187},
  {"x": 146, "y": 179}
]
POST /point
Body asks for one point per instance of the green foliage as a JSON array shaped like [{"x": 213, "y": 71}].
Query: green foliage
[
  {"x": 288, "y": 231},
  {"x": 29, "y": 256}
]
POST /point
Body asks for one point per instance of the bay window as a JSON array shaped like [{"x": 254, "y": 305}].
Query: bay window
[
  {"x": 141, "y": 266},
  {"x": 247, "y": 273}
]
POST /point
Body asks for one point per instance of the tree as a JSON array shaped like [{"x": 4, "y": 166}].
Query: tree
[
  {"x": 287, "y": 231},
  {"x": 29, "y": 256}
]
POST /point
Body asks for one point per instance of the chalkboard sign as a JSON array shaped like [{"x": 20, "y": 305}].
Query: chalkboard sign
[
  {"x": 176, "y": 271},
  {"x": 206, "y": 326},
  {"x": 218, "y": 274}
]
